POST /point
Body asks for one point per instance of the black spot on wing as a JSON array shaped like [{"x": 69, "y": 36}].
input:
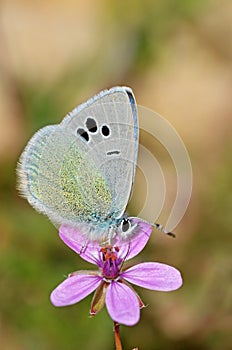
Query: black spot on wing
[
  {"x": 91, "y": 125},
  {"x": 110, "y": 153},
  {"x": 105, "y": 130},
  {"x": 83, "y": 134}
]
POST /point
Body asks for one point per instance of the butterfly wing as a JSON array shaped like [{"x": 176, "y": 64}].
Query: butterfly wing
[
  {"x": 111, "y": 121},
  {"x": 71, "y": 172},
  {"x": 60, "y": 180}
]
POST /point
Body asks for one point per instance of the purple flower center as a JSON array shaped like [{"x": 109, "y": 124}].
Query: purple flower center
[{"x": 110, "y": 263}]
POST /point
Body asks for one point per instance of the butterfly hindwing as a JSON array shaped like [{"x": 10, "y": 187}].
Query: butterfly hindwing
[{"x": 61, "y": 181}]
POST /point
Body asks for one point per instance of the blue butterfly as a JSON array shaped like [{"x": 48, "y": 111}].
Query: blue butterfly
[{"x": 80, "y": 172}]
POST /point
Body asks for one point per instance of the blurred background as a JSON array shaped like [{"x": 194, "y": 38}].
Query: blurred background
[{"x": 177, "y": 57}]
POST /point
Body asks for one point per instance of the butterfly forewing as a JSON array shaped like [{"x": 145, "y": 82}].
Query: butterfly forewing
[{"x": 113, "y": 147}]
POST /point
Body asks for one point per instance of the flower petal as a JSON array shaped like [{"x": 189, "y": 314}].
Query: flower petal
[
  {"x": 155, "y": 276},
  {"x": 129, "y": 249},
  {"x": 74, "y": 289},
  {"x": 75, "y": 240},
  {"x": 122, "y": 304}
]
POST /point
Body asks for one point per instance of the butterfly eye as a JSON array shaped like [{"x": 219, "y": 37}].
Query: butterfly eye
[
  {"x": 83, "y": 134},
  {"x": 125, "y": 225},
  {"x": 91, "y": 125},
  {"x": 105, "y": 130}
]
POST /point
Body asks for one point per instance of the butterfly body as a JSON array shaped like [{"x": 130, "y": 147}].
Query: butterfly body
[{"x": 80, "y": 172}]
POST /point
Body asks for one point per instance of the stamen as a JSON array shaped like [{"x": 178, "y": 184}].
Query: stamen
[{"x": 110, "y": 268}]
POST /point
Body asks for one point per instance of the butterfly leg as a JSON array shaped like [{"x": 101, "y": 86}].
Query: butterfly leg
[
  {"x": 128, "y": 250},
  {"x": 84, "y": 246}
]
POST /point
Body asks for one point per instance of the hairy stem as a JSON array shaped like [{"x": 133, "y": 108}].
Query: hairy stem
[{"x": 118, "y": 344}]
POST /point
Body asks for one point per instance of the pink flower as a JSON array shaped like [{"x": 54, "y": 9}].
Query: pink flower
[{"x": 110, "y": 280}]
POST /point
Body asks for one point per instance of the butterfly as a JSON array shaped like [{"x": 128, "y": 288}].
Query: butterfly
[{"x": 80, "y": 172}]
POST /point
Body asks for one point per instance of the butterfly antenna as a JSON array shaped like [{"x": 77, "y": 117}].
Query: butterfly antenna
[{"x": 161, "y": 228}]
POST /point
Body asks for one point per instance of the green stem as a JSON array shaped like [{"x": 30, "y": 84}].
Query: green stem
[{"x": 118, "y": 344}]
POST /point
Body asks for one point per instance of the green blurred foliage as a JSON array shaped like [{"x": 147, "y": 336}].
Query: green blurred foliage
[{"x": 137, "y": 37}]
